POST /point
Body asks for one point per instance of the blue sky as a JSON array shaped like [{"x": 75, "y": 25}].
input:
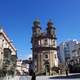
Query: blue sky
[{"x": 17, "y": 17}]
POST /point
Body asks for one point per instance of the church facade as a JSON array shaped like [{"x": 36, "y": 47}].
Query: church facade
[{"x": 44, "y": 48}]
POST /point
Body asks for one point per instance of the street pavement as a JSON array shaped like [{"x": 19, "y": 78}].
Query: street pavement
[
  {"x": 16, "y": 78},
  {"x": 57, "y": 77},
  {"x": 75, "y": 76}
]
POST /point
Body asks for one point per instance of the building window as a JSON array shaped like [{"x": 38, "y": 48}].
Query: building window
[
  {"x": 55, "y": 56},
  {"x": 46, "y": 56},
  {"x": 45, "y": 42},
  {"x": 39, "y": 42},
  {"x": 53, "y": 42}
]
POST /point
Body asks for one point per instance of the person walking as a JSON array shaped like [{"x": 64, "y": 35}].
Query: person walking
[
  {"x": 33, "y": 76},
  {"x": 67, "y": 72}
]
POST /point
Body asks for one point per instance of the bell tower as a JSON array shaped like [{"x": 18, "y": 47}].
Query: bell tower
[
  {"x": 36, "y": 28},
  {"x": 50, "y": 29},
  {"x": 36, "y": 33}
]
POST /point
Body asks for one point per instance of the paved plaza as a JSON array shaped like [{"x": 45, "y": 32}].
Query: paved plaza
[{"x": 61, "y": 77}]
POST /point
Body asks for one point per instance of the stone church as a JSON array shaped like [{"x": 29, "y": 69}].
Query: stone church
[{"x": 44, "y": 48}]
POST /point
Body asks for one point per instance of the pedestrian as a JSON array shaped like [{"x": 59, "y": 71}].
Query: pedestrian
[
  {"x": 66, "y": 72},
  {"x": 33, "y": 76}
]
